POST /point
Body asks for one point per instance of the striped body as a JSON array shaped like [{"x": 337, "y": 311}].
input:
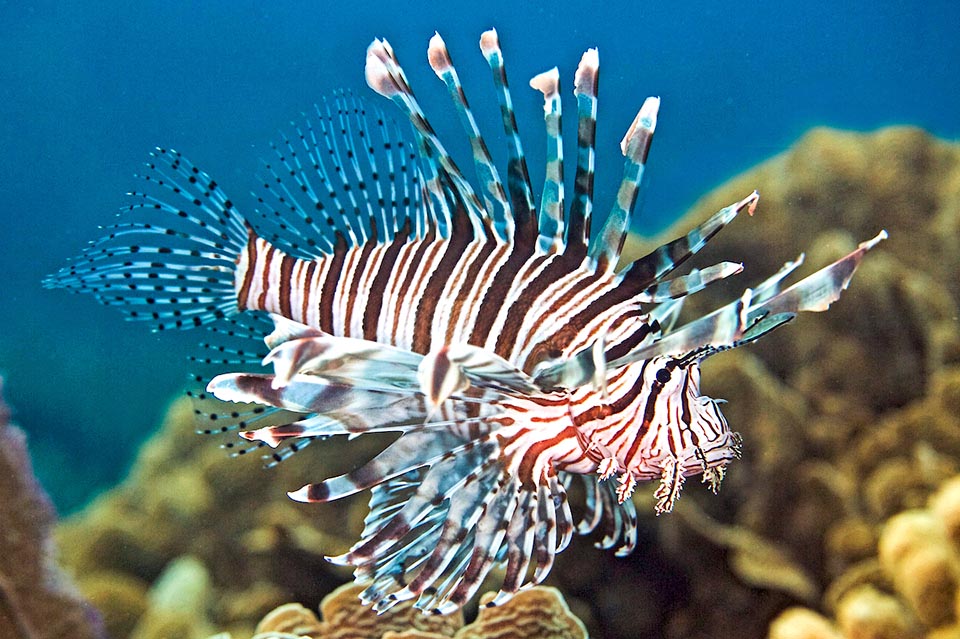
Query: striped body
[
  {"x": 499, "y": 338},
  {"x": 421, "y": 295}
]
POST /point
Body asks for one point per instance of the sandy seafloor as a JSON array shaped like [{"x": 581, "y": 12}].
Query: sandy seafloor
[{"x": 87, "y": 89}]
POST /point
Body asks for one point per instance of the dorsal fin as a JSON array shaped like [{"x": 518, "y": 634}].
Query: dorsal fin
[
  {"x": 551, "y": 220},
  {"x": 696, "y": 280},
  {"x": 585, "y": 84},
  {"x": 518, "y": 177},
  {"x": 434, "y": 195},
  {"x": 493, "y": 190},
  {"x": 605, "y": 249},
  {"x": 385, "y": 76},
  {"x": 650, "y": 268},
  {"x": 328, "y": 180},
  {"x": 343, "y": 128}
]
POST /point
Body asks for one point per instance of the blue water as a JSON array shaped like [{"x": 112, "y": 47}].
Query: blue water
[{"x": 87, "y": 89}]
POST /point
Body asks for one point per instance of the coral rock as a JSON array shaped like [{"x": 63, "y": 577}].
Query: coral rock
[
  {"x": 120, "y": 598},
  {"x": 291, "y": 619},
  {"x": 177, "y": 603},
  {"x": 946, "y": 507},
  {"x": 911, "y": 589},
  {"x": 345, "y": 617},
  {"x": 412, "y": 634},
  {"x": 800, "y": 623},
  {"x": 538, "y": 613},
  {"x": 928, "y": 582},
  {"x": 915, "y": 552},
  {"x": 867, "y": 613},
  {"x": 905, "y": 534}
]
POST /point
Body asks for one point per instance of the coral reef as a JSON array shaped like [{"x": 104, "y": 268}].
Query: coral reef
[
  {"x": 36, "y": 600},
  {"x": 538, "y": 613},
  {"x": 848, "y": 418}
]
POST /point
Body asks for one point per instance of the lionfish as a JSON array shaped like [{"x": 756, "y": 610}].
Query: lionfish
[{"x": 503, "y": 343}]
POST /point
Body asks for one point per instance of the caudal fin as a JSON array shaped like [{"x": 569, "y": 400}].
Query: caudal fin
[{"x": 172, "y": 257}]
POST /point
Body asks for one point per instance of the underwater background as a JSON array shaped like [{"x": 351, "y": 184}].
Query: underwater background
[
  {"x": 88, "y": 89},
  {"x": 841, "y": 519}
]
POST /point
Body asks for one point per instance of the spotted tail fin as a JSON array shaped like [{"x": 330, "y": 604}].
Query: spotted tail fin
[{"x": 171, "y": 260}]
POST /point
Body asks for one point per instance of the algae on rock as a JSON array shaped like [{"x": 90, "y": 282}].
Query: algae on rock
[{"x": 912, "y": 588}]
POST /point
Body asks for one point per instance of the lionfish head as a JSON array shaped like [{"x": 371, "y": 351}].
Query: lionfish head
[
  {"x": 713, "y": 444},
  {"x": 677, "y": 432}
]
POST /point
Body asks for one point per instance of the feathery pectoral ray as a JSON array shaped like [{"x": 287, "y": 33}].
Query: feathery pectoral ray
[{"x": 495, "y": 337}]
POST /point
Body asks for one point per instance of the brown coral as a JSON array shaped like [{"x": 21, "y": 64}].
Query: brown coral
[
  {"x": 291, "y": 619},
  {"x": 538, "y": 613},
  {"x": 801, "y": 623},
  {"x": 345, "y": 617},
  {"x": 868, "y": 613},
  {"x": 36, "y": 600}
]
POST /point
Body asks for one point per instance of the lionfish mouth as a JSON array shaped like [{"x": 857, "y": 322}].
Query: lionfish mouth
[
  {"x": 403, "y": 300},
  {"x": 719, "y": 454}
]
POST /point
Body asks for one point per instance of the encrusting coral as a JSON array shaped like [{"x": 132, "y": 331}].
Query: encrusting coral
[
  {"x": 537, "y": 613},
  {"x": 848, "y": 418},
  {"x": 36, "y": 600}
]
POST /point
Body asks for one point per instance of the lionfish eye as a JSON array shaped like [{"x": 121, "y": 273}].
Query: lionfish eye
[{"x": 663, "y": 375}]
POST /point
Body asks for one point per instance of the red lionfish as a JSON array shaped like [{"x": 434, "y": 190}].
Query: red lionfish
[{"x": 500, "y": 341}]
